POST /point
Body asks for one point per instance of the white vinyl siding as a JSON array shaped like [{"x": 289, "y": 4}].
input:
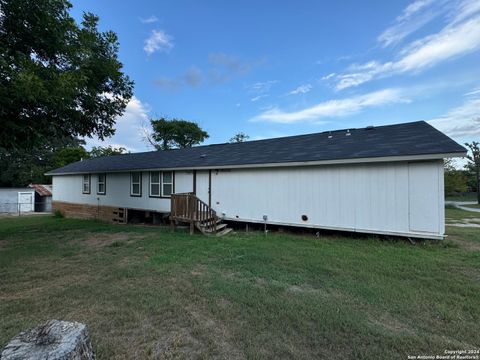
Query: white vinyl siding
[{"x": 395, "y": 198}]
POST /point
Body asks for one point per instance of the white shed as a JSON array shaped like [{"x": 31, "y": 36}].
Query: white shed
[
  {"x": 17, "y": 200},
  {"x": 383, "y": 180}
]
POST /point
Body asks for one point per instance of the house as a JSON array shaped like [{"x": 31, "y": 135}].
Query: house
[
  {"x": 17, "y": 200},
  {"x": 43, "y": 197},
  {"x": 381, "y": 180}
]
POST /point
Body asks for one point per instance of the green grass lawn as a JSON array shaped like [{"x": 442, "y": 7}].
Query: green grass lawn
[
  {"x": 462, "y": 197},
  {"x": 476, "y": 206},
  {"x": 147, "y": 293}
]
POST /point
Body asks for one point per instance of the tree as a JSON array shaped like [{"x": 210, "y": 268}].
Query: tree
[
  {"x": 98, "y": 151},
  {"x": 240, "y": 137},
  {"x": 473, "y": 165},
  {"x": 455, "y": 180},
  {"x": 69, "y": 155},
  {"x": 175, "y": 133},
  {"x": 22, "y": 167},
  {"x": 58, "y": 79}
]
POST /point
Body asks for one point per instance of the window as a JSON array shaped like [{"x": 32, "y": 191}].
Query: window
[
  {"x": 101, "y": 184},
  {"x": 161, "y": 183},
  {"x": 155, "y": 183},
  {"x": 167, "y": 183},
  {"x": 136, "y": 184},
  {"x": 86, "y": 184}
]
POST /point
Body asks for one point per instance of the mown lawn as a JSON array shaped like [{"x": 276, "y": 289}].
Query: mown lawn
[
  {"x": 475, "y": 206},
  {"x": 147, "y": 293},
  {"x": 462, "y": 197}
]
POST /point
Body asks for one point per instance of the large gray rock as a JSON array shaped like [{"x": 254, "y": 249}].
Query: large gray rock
[{"x": 54, "y": 340}]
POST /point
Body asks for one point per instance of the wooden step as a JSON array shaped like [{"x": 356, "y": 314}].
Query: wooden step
[
  {"x": 219, "y": 227},
  {"x": 224, "y": 232}
]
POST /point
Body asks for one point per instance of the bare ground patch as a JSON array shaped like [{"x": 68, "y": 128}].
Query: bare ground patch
[
  {"x": 219, "y": 333},
  {"x": 390, "y": 324},
  {"x": 465, "y": 244},
  {"x": 99, "y": 240},
  {"x": 303, "y": 289},
  {"x": 43, "y": 287}
]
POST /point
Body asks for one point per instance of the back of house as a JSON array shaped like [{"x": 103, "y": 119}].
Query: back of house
[{"x": 382, "y": 180}]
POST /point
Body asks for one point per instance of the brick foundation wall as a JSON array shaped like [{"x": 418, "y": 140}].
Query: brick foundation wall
[{"x": 87, "y": 211}]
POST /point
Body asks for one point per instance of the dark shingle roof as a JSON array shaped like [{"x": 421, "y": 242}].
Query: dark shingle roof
[{"x": 416, "y": 138}]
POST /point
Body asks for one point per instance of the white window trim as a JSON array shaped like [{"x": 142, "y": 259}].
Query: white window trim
[
  {"x": 139, "y": 183},
  {"x": 167, "y": 183},
  {"x": 87, "y": 181},
  {"x": 104, "y": 183},
  {"x": 150, "y": 183}
]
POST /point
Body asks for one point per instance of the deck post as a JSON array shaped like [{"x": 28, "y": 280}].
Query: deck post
[{"x": 192, "y": 229}]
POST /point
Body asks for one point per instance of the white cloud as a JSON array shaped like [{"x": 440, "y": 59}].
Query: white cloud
[
  {"x": 465, "y": 9},
  {"x": 452, "y": 41},
  {"x": 128, "y": 128},
  {"x": 334, "y": 108},
  {"x": 150, "y": 20},
  {"x": 302, "y": 89},
  {"x": 328, "y": 77},
  {"x": 413, "y": 17},
  {"x": 262, "y": 87},
  {"x": 258, "y": 97},
  {"x": 159, "y": 41},
  {"x": 475, "y": 91},
  {"x": 449, "y": 43},
  {"x": 461, "y": 121}
]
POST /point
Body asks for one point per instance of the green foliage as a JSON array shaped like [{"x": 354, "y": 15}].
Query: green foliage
[
  {"x": 98, "y": 151},
  {"x": 69, "y": 155},
  {"x": 175, "y": 133},
  {"x": 58, "y": 214},
  {"x": 240, "y": 137},
  {"x": 455, "y": 180},
  {"x": 22, "y": 167},
  {"x": 473, "y": 166},
  {"x": 58, "y": 79}
]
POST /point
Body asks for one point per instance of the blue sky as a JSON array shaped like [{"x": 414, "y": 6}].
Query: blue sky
[{"x": 278, "y": 68}]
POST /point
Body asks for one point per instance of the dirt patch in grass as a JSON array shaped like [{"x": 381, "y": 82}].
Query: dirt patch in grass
[
  {"x": 465, "y": 244},
  {"x": 44, "y": 287},
  {"x": 219, "y": 333},
  {"x": 390, "y": 324},
  {"x": 3, "y": 244},
  {"x": 180, "y": 344},
  {"x": 302, "y": 289},
  {"x": 473, "y": 274},
  {"x": 100, "y": 240}
]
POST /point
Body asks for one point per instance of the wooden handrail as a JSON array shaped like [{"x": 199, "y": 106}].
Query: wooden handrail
[{"x": 189, "y": 208}]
